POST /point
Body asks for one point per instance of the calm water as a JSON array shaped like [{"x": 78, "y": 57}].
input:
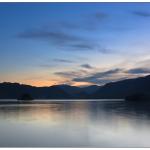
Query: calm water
[{"x": 75, "y": 124}]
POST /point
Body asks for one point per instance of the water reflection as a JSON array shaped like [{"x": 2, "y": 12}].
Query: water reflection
[{"x": 75, "y": 124}]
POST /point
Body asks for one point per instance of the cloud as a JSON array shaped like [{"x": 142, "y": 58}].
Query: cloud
[
  {"x": 46, "y": 65},
  {"x": 63, "y": 61},
  {"x": 102, "y": 77},
  {"x": 54, "y": 61},
  {"x": 139, "y": 71},
  {"x": 141, "y": 13},
  {"x": 62, "y": 34},
  {"x": 105, "y": 50},
  {"x": 66, "y": 74},
  {"x": 64, "y": 40},
  {"x": 57, "y": 37},
  {"x": 69, "y": 74},
  {"x": 99, "y": 77},
  {"x": 84, "y": 46},
  {"x": 100, "y": 15},
  {"x": 72, "y": 74},
  {"x": 88, "y": 77},
  {"x": 84, "y": 24},
  {"x": 86, "y": 66},
  {"x": 91, "y": 46}
]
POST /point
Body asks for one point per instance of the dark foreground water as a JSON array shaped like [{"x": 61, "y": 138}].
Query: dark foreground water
[{"x": 75, "y": 124}]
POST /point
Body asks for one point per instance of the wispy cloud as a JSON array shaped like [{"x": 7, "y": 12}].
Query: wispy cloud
[
  {"x": 64, "y": 40},
  {"x": 99, "y": 77},
  {"x": 86, "y": 66},
  {"x": 84, "y": 46},
  {"x": 63, "y": 60},
  {"x": 84, "y": 24},
  {"x": 88, "y": 76},
  {"x": 69, "y": 74},
  {"x": 101, "y": 15},
  {"x": 61, "y": 34},
  {"x": 57, "y": 37},
  {"x": 139, "y": 71},
  {"x": 141, "y": 13}
]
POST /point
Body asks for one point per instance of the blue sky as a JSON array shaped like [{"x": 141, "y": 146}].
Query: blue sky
[{"x": 73, "y": 43}]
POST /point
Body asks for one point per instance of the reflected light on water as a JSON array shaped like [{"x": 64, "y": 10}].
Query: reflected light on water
[{"x": 75, "y": 124}]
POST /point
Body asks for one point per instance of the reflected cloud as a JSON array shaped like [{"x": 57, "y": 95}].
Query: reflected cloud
[{"x": 84, "y": 124}]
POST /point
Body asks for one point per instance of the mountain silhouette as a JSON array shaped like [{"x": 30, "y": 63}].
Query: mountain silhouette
[
  {"x": 113, "y": 90},
  {"x": 91, "y": 89},
  {"x": 15, "y": 90},
  {"x": 121, "y": 89}
]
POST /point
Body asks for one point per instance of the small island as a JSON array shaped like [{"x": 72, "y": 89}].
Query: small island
[{"x": 25, "y": 97}]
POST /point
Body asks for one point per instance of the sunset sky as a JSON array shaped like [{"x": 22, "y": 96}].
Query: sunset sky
[{"x": 43, "y": 44}]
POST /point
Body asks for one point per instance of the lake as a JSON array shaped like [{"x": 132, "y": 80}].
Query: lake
[{"x": 75, "y": 124}]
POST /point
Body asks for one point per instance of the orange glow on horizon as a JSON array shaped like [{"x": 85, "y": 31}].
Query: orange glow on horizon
[
  {"x": 51, "y": 83},
  {"x": 41, "y": 83},
  {"x": 81, "y": 84}
]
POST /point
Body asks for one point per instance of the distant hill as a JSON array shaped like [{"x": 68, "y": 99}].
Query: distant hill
[
  {"x": 79, "y": 92},
  {"x": 123, "y": 88},
  {"x": 68, "y": 88},
  {"x": 114, "y": 90},
  {"x": 90, "y": 89},
  {"x": 15, "y": 90}
]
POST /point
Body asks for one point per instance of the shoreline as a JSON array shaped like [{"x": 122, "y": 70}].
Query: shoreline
[{"x": 46, "y": 101}]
